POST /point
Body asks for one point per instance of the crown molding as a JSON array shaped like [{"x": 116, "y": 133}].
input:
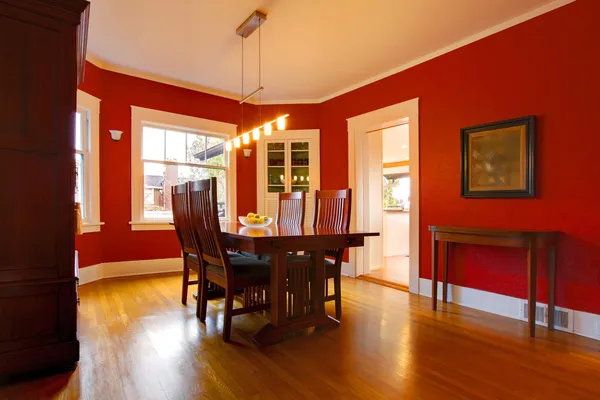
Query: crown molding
[
  {"x": 463, "y": 42},
  {"x": 105, "y": 65},
  {"x": 233, "y": 96}
]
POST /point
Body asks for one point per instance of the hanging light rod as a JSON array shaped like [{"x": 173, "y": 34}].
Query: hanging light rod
[
  {"x": 251, "y": 24},
  {"x": 251, "y": 95}
]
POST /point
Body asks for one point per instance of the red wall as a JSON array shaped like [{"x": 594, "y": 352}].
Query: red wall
[{"x": 547, "y": 67}]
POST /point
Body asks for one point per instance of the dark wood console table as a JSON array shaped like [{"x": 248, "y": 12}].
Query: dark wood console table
[{"x": 532, "y": 240}]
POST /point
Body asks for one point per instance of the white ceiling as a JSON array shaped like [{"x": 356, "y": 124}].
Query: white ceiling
[
  {"x": 311, "y": 49},
  {"x": 395, "y": 144}
]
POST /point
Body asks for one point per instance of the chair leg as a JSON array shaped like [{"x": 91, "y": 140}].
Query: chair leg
[
  {"x": 229, "y": 292},
  {"x": 337, "y": 281},
  {"x": 203, "y": 299},
  {"x": 186, "y": 278}
]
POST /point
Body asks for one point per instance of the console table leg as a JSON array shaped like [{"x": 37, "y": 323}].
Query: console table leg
[
  {"x": 532, "y": 282},
  {"x": 434, "y": 271},
  {"x": 445, "y": 265},
  {"x": 551, "y": 286}
]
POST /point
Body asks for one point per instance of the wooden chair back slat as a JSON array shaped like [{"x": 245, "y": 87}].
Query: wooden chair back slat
[
  {"x": 204, "y": 216},
  {"x": 291, "y": 208},
  {"x": 332, "y": 211},
  {"x": 181, "y": 218}
]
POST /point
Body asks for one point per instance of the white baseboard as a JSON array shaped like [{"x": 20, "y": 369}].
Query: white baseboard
[
  {"x": 129, "y": 268},
  {"x": 584, "y": 324}
]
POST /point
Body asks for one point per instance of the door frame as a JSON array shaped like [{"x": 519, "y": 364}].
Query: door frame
[
  {"x": 358, "y": 128},
  {"x": 298, "y": 134}
]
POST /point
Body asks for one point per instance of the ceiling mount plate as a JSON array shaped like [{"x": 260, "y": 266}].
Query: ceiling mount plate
[{"x": 251, "y": 24}]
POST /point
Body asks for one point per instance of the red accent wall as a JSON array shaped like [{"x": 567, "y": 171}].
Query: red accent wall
[{"x": 547, "y": 67}]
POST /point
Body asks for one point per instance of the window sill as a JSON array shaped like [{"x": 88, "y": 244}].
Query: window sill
[
  {"x": 92, "y": 227},
  {"x": 152, "y": 226}
]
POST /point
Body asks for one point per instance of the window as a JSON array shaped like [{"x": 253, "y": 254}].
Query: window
[
  {"x": 396, "y": 191},
  {"x": 170, "y": 149},
  {"x": 87, "y": 174}
]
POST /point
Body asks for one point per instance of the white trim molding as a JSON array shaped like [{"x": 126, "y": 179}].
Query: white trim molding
[
  {"x": 139, "y": 116},
  {"x": 129, "y": 268},
  {"x": 358, "y": 128},
  {"x": 91, "y": 104},
  {"x": 583, "y": 323}
]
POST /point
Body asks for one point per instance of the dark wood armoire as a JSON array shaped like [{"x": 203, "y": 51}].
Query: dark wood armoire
[{"x": 42, "y": 57}]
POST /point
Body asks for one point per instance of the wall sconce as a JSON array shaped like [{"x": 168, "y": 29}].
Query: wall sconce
[
  {"x": 115, "y": 135},
  {"x": 247, "y": 152}
]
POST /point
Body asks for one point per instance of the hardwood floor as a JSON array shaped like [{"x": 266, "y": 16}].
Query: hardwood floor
[{"x": 139, "y": 342}]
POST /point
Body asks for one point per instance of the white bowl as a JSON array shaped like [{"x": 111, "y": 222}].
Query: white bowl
[{"x": 242, "y": 220}]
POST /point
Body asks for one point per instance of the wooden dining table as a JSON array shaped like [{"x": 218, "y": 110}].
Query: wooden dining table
[{"x": 278, "y": 241}]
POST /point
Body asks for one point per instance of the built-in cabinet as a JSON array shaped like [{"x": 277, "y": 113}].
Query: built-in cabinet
[{"x": 288, "y": 161}]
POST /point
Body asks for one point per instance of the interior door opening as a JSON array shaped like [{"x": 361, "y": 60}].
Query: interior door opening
[{"x": 388, "y": 199}]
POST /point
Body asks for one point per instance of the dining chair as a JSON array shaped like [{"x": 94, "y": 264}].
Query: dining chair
[
  {"x": 291, "y": 208},
  {"x": 184, "y": 234},
  {"x": 332, "y": 211},
  {"x": 249, "y": 275}
]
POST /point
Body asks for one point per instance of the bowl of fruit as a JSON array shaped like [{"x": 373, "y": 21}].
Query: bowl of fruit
[{"x": 255, "y": 220}]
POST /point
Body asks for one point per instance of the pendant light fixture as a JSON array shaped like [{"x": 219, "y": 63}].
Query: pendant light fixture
[{"x": 253, "y": 22}]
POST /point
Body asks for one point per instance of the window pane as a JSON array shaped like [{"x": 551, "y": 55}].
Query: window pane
[
  {"x": 215, "y": 152},
  {"x": 159, "y": 178},
  {"x": 276, "y": 146},
  {"x": 153, "y": 146},
  {"x": 176, "y": 149},
  {"x": 80, "y": 182},
  {"x": 396, "y": 191},
  {"x": 196, "y": 146},
  {"x": 157, "y": 199},
  {"x": 78, "y": 131}
]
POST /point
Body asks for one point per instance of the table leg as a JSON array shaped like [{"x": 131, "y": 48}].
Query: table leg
[
  {"x": 551, "y": 286},
  {"x": 434, "y": 271},
  {"x": 445, "y": 265},
  {"x": 532, "y": 282},
  {"x": 273, "y": 332}
]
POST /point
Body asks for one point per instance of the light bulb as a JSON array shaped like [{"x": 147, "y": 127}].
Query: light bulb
[
  {"x": 256, "y": 134},
  {"x": 295, "y": 178},
  {"x": 280, "y": 123},
  {"x": 236, "y": 142},
  {"x": 302, "y": 178},
  {"x": 246, "y": 138},
  {"x": 281, "y": 178},
  {"x": 268, "y": 129},
  {"x": 228, "y": 146},
  {"x": 307, "y": 178}
]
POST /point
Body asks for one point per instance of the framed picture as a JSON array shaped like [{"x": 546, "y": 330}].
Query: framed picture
[{"x": 498, "y": 159}]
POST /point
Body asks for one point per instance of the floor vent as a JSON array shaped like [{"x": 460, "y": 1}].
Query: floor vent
[{"x": 563, "y": 318}]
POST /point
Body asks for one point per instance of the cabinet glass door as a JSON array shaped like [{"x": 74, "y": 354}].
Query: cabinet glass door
[
  {"x": 276, "y": 167},
  {"x": 299, "y": 167}
]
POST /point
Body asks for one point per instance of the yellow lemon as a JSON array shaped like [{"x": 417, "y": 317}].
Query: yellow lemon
[
  {"x": 261, "y": 220},
  {"x": 250, "y": 215}
]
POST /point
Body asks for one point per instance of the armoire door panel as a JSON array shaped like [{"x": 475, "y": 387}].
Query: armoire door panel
[
  {"x": 29, "y": 78},
  {"x": 30, "y": 211}
]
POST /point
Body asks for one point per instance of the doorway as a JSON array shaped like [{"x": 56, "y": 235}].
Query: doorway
[
  {"x": 389, "y": 206},
  {"x": 366, "y": 178}
]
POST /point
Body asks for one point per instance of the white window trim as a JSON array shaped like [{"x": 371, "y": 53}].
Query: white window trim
[
  {"x": 92, "y": 105},
  {"x": 139, "y": 115}
]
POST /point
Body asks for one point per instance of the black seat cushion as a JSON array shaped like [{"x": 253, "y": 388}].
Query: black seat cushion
[{"x": 245, "y": 268}]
